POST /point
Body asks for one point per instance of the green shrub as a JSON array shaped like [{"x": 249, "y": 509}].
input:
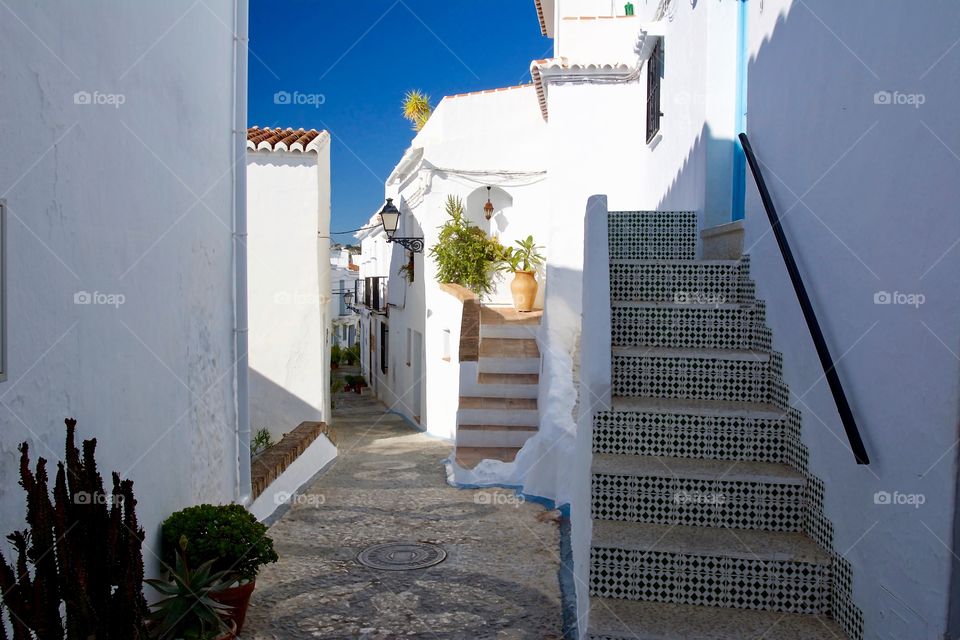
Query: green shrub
[
  {"x": 464, "y": 253},
  {"x": 227, "y": 534},
  {"x": 336, "y": 355}
]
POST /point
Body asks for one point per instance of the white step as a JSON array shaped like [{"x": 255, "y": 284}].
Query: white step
[
  {"x": 517, "y": 417},
  {"x": 503, "y": 385},
  {"x": 509, "y": 365},
  {"x": 494, "y": 435},
  {"x": 616, "y": 619},
  {"x": 511, "y": 331}
]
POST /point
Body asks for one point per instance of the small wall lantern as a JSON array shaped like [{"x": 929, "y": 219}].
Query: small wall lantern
[
  {"x": 390, "y": 219},
  {"x": 628, "y": 8},
  {"x": 488, "y": 208}
]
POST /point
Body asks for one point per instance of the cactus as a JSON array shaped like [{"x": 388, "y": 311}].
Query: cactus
[{"x": 81, "y": 551}]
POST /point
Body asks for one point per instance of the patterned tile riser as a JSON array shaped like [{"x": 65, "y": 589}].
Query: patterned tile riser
[
  {"x": 652, "y": 235},
  {"x": 716, "y": 328},
  {"x": 689, "y": 436},
  {"x": 794, "y": 587},
  {"x": 726, "y": 504},
  {"x": 680, "y": 283},
  {"x": 696, "y": 378}
]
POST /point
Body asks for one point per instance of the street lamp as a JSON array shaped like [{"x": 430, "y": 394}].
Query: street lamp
[
  {"x": 390, "y": 219},
  {"x": 488, "y": 208}
]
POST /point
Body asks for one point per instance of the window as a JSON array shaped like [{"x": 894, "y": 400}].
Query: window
[
  {"x": 384, "y": 334},
  {"x": 446, "y": 345},
  {"x": 3, "y": 290},
  {"x": 654, "y": 74}
]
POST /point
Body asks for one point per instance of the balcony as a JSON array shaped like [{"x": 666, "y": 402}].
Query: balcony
[{"x": 371, "y": 293}]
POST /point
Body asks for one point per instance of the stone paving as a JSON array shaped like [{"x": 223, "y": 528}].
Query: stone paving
[{"x": 499, "y": 579}]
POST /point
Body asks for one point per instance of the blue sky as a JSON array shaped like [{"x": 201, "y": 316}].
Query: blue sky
[{"x": 362, "y": 56}]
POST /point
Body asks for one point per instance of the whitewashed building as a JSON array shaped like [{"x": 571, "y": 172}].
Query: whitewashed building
[
  {"x": 121, "y": 178},
  {"x": 288, "y": 203},
  {"x": 344, "y": 275},
  {"x": 673, "y": 369}
]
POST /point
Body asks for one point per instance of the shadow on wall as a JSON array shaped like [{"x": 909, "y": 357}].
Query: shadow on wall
[
  {"x": 693, "y": 188},
  {"x": 274, "y": 408}
]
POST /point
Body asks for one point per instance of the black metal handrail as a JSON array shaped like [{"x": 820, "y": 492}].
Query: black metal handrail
[{"x": 823, "y": 352}]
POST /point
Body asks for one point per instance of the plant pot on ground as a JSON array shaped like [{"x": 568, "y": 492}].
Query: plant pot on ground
[
  {"x": 231, "y": 538},
  {"x": 523, "y": 260}
]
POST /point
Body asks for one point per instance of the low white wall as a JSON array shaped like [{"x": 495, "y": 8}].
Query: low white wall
[
  {"x": 289, "y": 297},
  {"x": 285, "y": 491}
]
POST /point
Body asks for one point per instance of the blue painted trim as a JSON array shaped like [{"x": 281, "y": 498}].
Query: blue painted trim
[{"x": 740, "y": 114}]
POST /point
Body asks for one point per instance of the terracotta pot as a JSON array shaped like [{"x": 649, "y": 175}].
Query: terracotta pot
[
  {"x": 524, "y": 290},
  {"x": 238, "y": 599}
]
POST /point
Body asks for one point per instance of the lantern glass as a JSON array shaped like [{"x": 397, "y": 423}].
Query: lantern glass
[{"x": 390, "y": 218}]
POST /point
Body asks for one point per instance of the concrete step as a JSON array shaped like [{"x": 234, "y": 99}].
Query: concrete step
[
  {"x": 501, "y": 385},
  {"x": 509, "y": 355},
  {"x": 652, "y": 234},
  {"x": 616, "y": 619},
  {"x": 696, "y": 429},
  {"x": 701, "y": 282},
  {"x": 702, "y": 566},
  {"x": 493, "y": 435},
  {"x": 687, "y": 491},
  {"x": 704, "y": 374},
  {"x": 469, "y": 457},
  {"x": 667, "y": 324},
  {"x": 510, "y": 331}
]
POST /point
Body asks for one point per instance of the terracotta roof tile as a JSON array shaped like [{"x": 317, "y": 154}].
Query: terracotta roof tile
[
  {"x": 268, "y": 139},
  {"x": 477, "y": 93}
]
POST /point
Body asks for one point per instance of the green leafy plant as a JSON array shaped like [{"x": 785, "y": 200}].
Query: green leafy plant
[
  {"x": 187, "y": 609},
  {"x": 81, "y": 554},
  {"x": 351, "y": 355},
  {"x": 336, "y": 356},
  {"x": 464, "y": 253},
  {"x": 407, "y": 270},
  {"x": 417, "y": 109},
  {"x": 524, "y": 257},
  {"x": 229, "y": 535},
  {"x": 261, "y": 440}
]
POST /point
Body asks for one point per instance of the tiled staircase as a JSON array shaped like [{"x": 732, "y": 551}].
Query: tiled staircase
[
  {"x": 498, "y": 398},
  {"x": 706, "y": 523}
]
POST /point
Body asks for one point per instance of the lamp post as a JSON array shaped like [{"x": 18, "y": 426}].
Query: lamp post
[{"x": 390, "y": 219}]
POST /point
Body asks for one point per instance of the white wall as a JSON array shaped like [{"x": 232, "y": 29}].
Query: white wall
[
  {"x": 878, "y": 194},
  {"x": 288, "y": 207},
  {"x": 133, "y": 200}
]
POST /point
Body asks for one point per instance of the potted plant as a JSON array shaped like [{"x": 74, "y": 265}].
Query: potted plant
[
  {"x": 229, "y": 537},
  {"x": 336, "y": 356},
  {"x": 189, "y": 609},
  {"x": 523, "y": 261},
  {"x": 464, "y": 253}
]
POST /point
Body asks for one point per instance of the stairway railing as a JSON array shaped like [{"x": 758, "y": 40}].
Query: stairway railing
[{"x": 823, "y": 352}]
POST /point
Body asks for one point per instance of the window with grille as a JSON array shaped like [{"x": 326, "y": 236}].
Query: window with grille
[{"x": 654, "y": 74}]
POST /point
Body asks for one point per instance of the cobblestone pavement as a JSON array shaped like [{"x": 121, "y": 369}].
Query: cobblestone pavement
[{"x": 499, "y": 579}]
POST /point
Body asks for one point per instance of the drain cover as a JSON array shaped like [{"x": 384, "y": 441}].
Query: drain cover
[{"x": 401, "y": 556}]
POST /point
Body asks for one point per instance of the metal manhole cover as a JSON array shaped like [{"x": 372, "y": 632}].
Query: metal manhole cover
[{"x": 401, "y": 556}]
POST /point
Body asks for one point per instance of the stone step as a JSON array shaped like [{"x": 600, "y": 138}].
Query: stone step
[
  {"x": 493, "y": 435},
  {"x": 691, "y": 565},
  {"x": 704, "y": 374},
  {"x": 713, "y": 282},
  {"x": 498, "y": 411},
  {"x": 695, "y": 429},
  {"x": 616, "y": 619},
  {"x": 509, "y": 355},
  {"x": 652, "y": 234},
  {"x": 687, "y": 491},
  {"x": 509, "y": 331},
  {"x": 469, "y": 457},
  {"x": 509, "y": 388},
  {"x": 668, "y": 324},
  {"x": 526, "y": 379}
]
